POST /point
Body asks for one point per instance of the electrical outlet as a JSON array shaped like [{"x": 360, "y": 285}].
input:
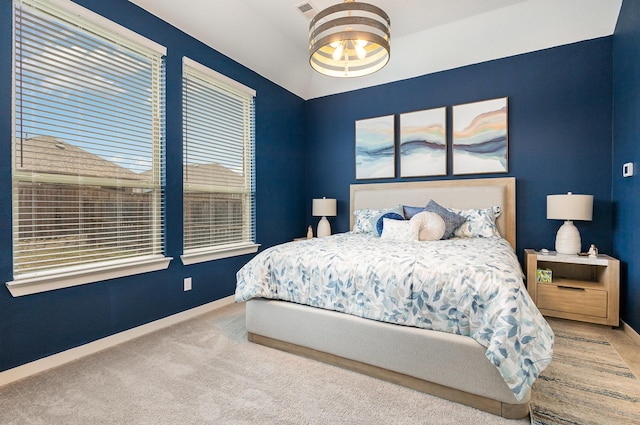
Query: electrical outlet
[
  {"x": 187, "y": 283},
  {"x": 627, "y": 169}
]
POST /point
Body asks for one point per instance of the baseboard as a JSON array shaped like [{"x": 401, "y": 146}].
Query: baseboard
[
  {"x": 55, "y": 360},
  {"x": 635, "y": 337}
]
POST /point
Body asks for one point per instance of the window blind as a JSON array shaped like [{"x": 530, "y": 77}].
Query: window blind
[
  {"x": 88, "y": 141},
  {"x": 218, "y": 160}
]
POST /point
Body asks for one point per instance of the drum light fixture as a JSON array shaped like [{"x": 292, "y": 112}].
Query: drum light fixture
[{"x": 349, "y": 39}]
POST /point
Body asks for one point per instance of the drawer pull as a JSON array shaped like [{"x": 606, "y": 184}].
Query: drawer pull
[{"x": 571, "y": 287}]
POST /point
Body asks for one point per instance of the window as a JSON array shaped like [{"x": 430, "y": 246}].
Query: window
[
  {"x": 218, "y": 170},
  {"x": 87, "y": 149}
]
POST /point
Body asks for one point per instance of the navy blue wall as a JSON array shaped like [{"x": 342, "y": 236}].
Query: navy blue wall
[
  {"x": 560, "y": 120},
  {"x": 38, "y": 325},
  {"x": 626, "y": 191}
]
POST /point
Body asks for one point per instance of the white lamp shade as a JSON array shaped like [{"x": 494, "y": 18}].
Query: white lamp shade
[
  {"x": 570, "y": 207},
  {"x": 324, "y": 207}
]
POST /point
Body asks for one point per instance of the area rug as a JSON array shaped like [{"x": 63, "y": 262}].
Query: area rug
[{"x": 587, "y": 383}]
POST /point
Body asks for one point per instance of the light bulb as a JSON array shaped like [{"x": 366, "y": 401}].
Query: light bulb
[
  {"x": 337, "y": 53},
  {"x": 361, "y": 43},
  {"x": 361, "y": 53},
  {"x": 335, "y": 44}
]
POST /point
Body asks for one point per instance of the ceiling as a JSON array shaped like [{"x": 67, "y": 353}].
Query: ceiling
[{"x": 270, "y": 36}]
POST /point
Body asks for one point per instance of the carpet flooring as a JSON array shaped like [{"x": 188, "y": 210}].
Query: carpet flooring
[
  {"x": 204, "y": 371},
  {"x": 587, "y": 383}
]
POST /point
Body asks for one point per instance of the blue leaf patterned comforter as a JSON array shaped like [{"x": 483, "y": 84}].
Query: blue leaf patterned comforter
[{"x": 466, "y": 286}]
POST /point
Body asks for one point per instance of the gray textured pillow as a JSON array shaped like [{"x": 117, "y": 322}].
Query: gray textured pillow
[{"x": 451, "y": 220}]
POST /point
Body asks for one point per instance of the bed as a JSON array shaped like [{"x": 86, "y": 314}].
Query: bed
[{"x": 449, "y": 352}]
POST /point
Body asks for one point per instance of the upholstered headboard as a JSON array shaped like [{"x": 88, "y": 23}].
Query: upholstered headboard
[{"x": 461, "y": 194}]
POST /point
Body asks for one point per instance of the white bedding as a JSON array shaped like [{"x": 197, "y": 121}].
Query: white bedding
[{"x": 467, "y": 286}]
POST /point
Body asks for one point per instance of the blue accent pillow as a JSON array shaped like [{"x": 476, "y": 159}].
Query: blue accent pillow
[
  {"x": 411, "y": 211},
  {"x": 451, "y": 220},
  {"x": 376, "y": 216},
  {"x": 389, "y": 215}
]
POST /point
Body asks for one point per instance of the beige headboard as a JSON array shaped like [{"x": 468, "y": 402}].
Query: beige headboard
[{"x": 461, "y": 194}]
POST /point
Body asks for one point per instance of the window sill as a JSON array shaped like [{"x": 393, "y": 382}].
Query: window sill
[
  {"x": 39, "y": 282},
  {"x": 209, "y": 254}
]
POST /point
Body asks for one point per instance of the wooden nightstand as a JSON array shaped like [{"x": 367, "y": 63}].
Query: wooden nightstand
[{"x": 582, "y": 288}]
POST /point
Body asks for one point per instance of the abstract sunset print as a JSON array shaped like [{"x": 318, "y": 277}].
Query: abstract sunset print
[
  {"x": 480, "y": 137},
  {"x": 423, "y": 143}
]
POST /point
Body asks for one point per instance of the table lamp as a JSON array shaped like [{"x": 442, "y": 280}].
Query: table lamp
[
  {"x": 324, "y": 208},
  {"x": 569, "y": 207}
]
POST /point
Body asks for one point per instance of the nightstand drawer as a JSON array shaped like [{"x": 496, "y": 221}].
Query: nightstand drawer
[{"x": 589, "y": 302}]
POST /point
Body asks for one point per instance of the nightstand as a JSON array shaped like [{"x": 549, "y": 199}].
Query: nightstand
[{"x": 582, "y": 288}]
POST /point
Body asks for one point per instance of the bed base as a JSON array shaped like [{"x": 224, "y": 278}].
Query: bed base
[
  {"x": 296, "y": 329},
  {"x": 506, "y": 410}
]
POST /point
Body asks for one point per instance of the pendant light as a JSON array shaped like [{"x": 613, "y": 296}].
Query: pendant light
[{"x": 349, "y": 39}]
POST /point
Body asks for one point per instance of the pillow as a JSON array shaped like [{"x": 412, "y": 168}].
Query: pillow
[
  {"x": 389, "y": 215},
  {"x": 374, "y": 219},
  {"x": 451, "y": 219},
  {"x": 409, "y": 212},
  {"x": 480, "y": 223},
  {"x": 367, "y": 219},
  {"x": 362, "y": 222},
  {"x": 431, "y": 226},
  {"x": 397, "y": 230}
]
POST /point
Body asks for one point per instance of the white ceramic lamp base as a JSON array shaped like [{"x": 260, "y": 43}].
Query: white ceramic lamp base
[
  {"x": 324, "y": 228},
  {"x": 568, "y": 239}
]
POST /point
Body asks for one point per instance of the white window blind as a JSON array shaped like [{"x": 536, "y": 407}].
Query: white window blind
[
  {"x": 88, "y": 141},
  {"x": 218, "y": 161}
]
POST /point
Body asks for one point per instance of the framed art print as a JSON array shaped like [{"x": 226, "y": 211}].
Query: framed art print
[
  {"x": 480, "y": 137},
  {"x": 423, "y": 143},
  {"x": 375, "y": 148}
]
